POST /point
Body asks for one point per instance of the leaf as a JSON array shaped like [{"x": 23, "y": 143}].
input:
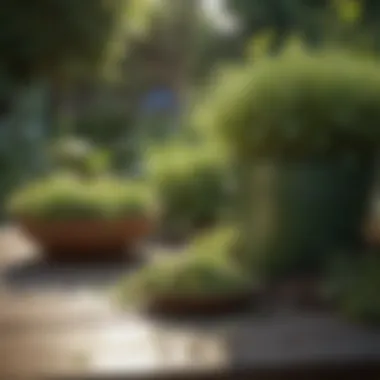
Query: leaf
[
  {"x": 260, "y": 45},
  {"x": 349, "y": 11}
]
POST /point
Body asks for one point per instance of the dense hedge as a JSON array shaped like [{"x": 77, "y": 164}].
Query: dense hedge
[
  {"x": 190, "y": 182},
  {"x": 296, "y": 105}
]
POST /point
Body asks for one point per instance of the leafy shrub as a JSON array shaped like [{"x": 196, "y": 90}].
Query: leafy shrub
[
  {"x": 190, "y": 183},
  {"x": 206, "y": 268},
  {"x": 295, "y": 105},
  {"x": 67, "y": 196},
  {"x": 73, "y": 154},
  {"x": 355, "y": 285},
  {"x": 219, "y": 243}
]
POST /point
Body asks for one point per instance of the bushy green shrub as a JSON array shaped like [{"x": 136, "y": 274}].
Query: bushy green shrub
[
  {"x": 67, "y": 196},
  {"x": 354, "y": 284},
  {"x": 219, "y": 243},
  {"x": 295, "y": 105},
  {"x": 191, "y": 183},
  {"x": 206, "y": 268}
]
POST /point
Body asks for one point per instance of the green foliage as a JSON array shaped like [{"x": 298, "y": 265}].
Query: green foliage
[
  {"x": 219, "y": 243},
  {"x": 112, "y": 129},
  {"x": 80, "y": 157},
  {"x": 349, "y": 11},
  {"x": 213, "y": 47},
  {"x": 66, "y": 196},
  {"x": 283, "y": 17},
  {"x": 190, "y": 182},
  {"x": 104, "y": 126},
  {"x": 62, "y": 36},
  {"x": 351, "y": 23},
  {"x": 70, "y": 153},
  {"x": 260, "y": 45},
  {"x": 355, "y": 286},
  {"x": 296, "y": 105},
  {"x": 204, "y": 269}
]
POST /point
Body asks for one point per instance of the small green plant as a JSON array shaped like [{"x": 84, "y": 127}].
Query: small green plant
[
  {"x": 111, "y": 129},
  {"x": 296, "y": 105},
  {"x": 79, "y": 156},
  {"x": 190, "y": 182},
  {"x": 354, "y": 284},
  {"x": 184, "y": 276},
  {"x": 219, "y": 244},
  {"x": 205, "y": 269},
  {"x": 67, "y": 196}
]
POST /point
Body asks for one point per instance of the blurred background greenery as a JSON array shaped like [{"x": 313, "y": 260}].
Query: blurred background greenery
[{"x": 125, "y": 88}]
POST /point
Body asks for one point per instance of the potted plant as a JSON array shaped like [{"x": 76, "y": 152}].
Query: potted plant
[
  {"x": 191, "y": 185},
  {"x": 303, "y": 129},
  {"x": 204, "y": 280},
  {"x": 72, "y": 217}
]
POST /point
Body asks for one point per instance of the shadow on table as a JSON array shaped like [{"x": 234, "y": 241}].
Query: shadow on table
[
  {"x": 303, "y": 346},
  {"x": 39, "y": 274}
]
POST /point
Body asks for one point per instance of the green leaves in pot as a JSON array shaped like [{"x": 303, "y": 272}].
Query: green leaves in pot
[
  {"x": 206, "y": 268},
  {"x": 185, "y": 276},
  {"x": 66, "y": 196}
]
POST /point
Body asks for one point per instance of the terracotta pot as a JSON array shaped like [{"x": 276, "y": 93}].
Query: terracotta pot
[
  {"x": 86, "y": 238},
  {"x": 200, "y": 305}
]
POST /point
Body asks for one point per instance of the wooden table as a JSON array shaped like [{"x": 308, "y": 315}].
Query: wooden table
[{"x": 60, "y": 323}]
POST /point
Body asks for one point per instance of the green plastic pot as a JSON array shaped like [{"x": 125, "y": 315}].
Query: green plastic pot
[{"x": 296, "y": 214}]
